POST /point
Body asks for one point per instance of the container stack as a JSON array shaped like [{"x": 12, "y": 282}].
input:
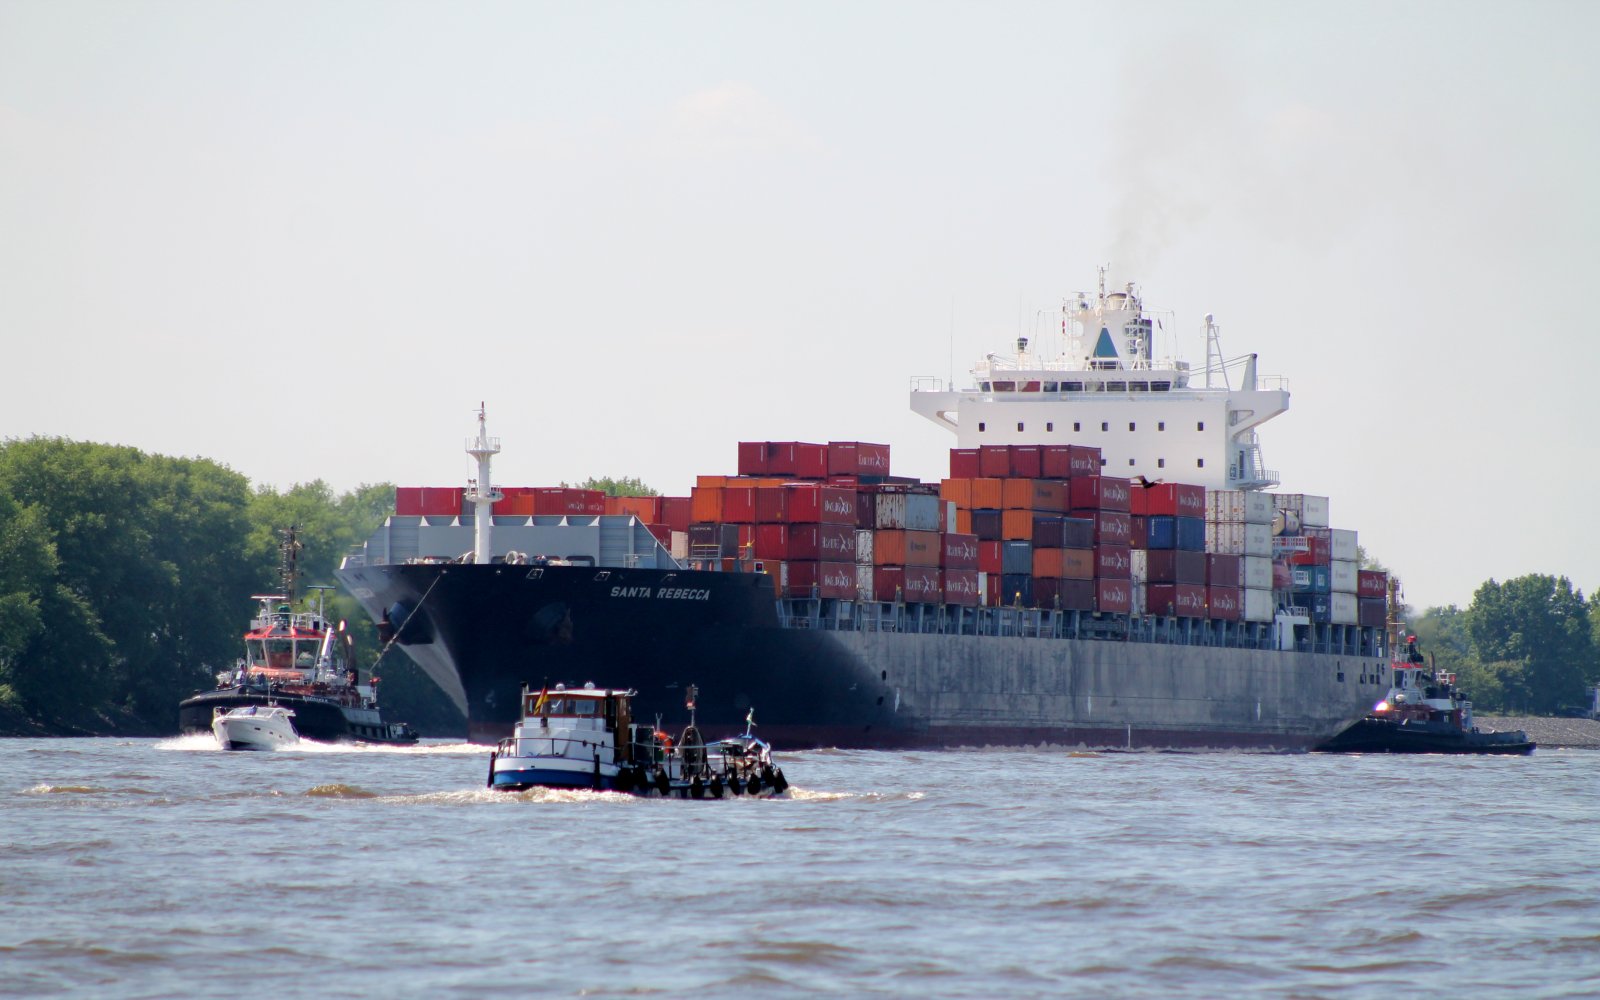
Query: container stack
[
  {"x": 1239, "y": 523},
  {"x": 1173, "y": 576},
  {"x": 1318, "y": 565}
]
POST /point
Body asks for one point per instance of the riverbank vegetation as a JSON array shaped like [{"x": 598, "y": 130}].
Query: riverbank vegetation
[{"x": 125, "y": 582}]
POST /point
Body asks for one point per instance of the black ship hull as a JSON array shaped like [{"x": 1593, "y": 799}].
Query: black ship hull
[
  {"x": 1375, "y": 735},
  {"x": 318, "y": 719},
  {"x": 483, "y": 631}
]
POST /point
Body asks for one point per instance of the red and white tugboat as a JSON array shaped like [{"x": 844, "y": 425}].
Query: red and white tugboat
[
  {"x": 1424, "y": 711},
  {"x": 301, "y": 662}
]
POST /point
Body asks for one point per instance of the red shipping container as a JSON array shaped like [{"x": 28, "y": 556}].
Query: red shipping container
[
  {"x": 1113, "y": 562},
  {"x": 1026, "y": 461},
  {"x": 994, "y": 461},
  {"x": 441, "y": 500},
  {"x": 911, "y": 584},
  {"x": 782, "y": 458},
  {"x": 1176, "y": 600},
  {"x": 1175, "y": 566},
  {"x": 959, "y": 551},
  {"x": 1110, "y": 527},
  {"x": 820, "y": 542},
  {"x": 408, "y": 501},
  {"x": 739, "y": 504},
  {"x": 1113, "y": 596},
  {"x": 1055, "y": 461},
  {"x": 1372, "y": 583},
  {"x": 1318, "y": 552},
  {"x": 842, "y": 459},
  {"x": 515, "y": 501},
  {"x": 562, "y": 500},
  {"x": 1175, "y": 499},
  {"x": 990, "y": 559},
  {"x": 1137, "y": 505},
  {"x": 808, "y": 504},
  {"x": 811, "y": 461},
  {"x": 752, "y": 458},
  {"x": 808, "y": 578},
  {"x": 1138, "y": 532},
  {"x": 1224, "y": 571},
  {"x": 1083, "y": 460},
  {"x": 662, "y": 533},
  {"x": 991, "y": 590},
  {"x": 1098, "y": 493},
  {"x": 964, "y": 463},
  {"x": 675, "y": 513},
  {"x": 1064, "y": 594},
  {"x": 960, "y": 587},
  {"x": 646, "y": 509},
  {"x": 872, "y": 459},
  {"x": 1225, "y": 603},
  {"x": 772, "y": 542}
]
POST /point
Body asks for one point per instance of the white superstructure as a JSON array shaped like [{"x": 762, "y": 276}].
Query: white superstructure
[
  {"x": 1104, "y": 387},
  {"x": 481, "y": 492}
]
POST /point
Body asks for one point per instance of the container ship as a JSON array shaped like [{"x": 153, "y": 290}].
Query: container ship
[{"x": 1105, "y": 566}]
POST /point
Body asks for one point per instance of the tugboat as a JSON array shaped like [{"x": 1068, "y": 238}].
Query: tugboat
[
  {"x": 299, "y": 661},
  {"x": 1424, "y": 711},
  {"x": 255, "y": 728},
  {"x": 586, "y": 738}
]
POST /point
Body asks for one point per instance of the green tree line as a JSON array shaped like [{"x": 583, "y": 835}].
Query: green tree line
[
  {"x": 125, "y": 579},
  {"x": 1528, "y": 645}
]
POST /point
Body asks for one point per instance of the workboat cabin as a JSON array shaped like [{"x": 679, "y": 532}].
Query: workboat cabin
[{"x": 586, "y": 738}]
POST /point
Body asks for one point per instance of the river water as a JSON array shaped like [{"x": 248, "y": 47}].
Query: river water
[{"x": 151, "y": 868}]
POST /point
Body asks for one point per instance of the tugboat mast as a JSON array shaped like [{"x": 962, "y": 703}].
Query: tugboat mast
[{"x": 481, "y": 492}]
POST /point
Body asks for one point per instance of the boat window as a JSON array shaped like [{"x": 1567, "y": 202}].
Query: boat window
[
  {"x": 983, "y": 386},
  {"x": 1052, "y": 386},
  {"x": 1030, "y": 387},
  {"x": 1049, "y": 425},
  {"x": 1005, "y": 387},
  {"x": 1138, "y": 386},
  {"x": 280, "y": 653},
  {"x": 1072, "y": 387},
  {"x": 1160, "y": 386},
  {"x": 1116, "y": 387},
  {"x": 1161, "y": 425}
]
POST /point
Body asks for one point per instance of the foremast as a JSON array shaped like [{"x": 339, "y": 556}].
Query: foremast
[{"x": 481, "y": 492}]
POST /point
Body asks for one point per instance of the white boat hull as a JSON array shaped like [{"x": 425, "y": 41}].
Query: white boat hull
[{"x": 249, "y": 729}]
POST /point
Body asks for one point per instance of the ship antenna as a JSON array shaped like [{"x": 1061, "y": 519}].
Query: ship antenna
[
  {"x": 288, "y": 554},
  {"x": 482, "y": 493}
]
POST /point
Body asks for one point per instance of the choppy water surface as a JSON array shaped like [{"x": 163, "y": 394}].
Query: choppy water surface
[{"x": 144, "y": 868}]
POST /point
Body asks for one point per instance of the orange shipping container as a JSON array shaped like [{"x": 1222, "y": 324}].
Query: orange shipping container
[
  {"x": 987, "y": 494},
  {"x": 1033, "y": 494},
  {"x": 958, "y": 490},
  {"x": 1017, "y": 525},
  {"x": 1063, "y": 564},
  {"x": 711, "y": 481},
  {"x": 705, "y": 504},
  {"x": 905, "y": 548},
  {"x": 963, "y": 522},
  {"x": 646, "y": 509}
]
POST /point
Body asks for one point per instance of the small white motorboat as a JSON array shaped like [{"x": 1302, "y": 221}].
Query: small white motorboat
[{"x": 255, "y": 727}]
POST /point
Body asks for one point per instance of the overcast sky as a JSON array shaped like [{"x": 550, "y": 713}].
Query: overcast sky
[{"x": 305, "y": 239}]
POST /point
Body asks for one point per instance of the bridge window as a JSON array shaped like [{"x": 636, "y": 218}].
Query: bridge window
[
  {"x": 1130, "y": 425},
  {"x": 1076, "y": 426},
  {"x": 1161, "y": 463},
  {"x": 1200, "y": 426},
  {"x": 1104, "y": 426},
  {"x": 1052, "y": 386},
  {"x": 1049, "y": 425},
  {"x": 1072, "y": 387},
  {"x": 1116, "y": 387},
  {"x": 1138, "y": 386},
  {"x": 1161, "y": 425},
  {"x": 1130, "y": 462},
  {"x": 981, "y": 427},
  {"x": 1199, "y": 463},
  {"x": 984, "y": 386},
  {"x": 1160, "y": 386},
  {"x": 1005, "y": 387},
  {"x": 1019, "y": 425}
]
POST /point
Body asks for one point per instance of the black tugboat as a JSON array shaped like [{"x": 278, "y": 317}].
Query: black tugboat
[
  {"x": 1424, "y": 712},
  {"x": 298, "y": 660}
]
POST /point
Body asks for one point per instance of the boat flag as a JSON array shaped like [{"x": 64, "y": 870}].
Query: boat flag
[{"x": 544, "y": 696}]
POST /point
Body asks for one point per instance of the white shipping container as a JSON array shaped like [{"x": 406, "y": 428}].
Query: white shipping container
[
  {"x": 1239, "y": 506},
  {"x": 1258, "y": 606},
  {"x": 1258, "y": 572},
  {"x": 1139, "y": 603},
  {"x": 1342, "y": 577},
  {"x": 680, "y": 545},
  {"x": 983, "y": 589},
  {"x": 911, "y": 511},
  {"x": 1342, "y": 543},
  {"x": 1238, "y": 539},
  {"x": 864, "y": 581},
  {"x": 864, "y": 548},
  {"x": 1308, "y": 511},
  {"x": 1342, "y": 609},
  {"x": 1140, "y": 562}
]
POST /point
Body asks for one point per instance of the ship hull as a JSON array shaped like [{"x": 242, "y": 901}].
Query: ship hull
[
  {"x": 484, "y": 631},
  {"x": 1372, "y": 735}
]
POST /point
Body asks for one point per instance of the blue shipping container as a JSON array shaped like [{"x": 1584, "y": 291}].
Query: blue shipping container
[
  {"x": 1161, "y": 531},
  {"x": 1016, "y": 558},
  {"x": 1191, "y": 534}
]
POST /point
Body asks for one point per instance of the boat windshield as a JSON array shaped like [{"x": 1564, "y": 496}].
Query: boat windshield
[{"x": 283, "y": 653}]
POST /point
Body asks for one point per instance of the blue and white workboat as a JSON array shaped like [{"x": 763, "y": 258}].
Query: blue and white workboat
[{"x": 586, "y": 738}]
